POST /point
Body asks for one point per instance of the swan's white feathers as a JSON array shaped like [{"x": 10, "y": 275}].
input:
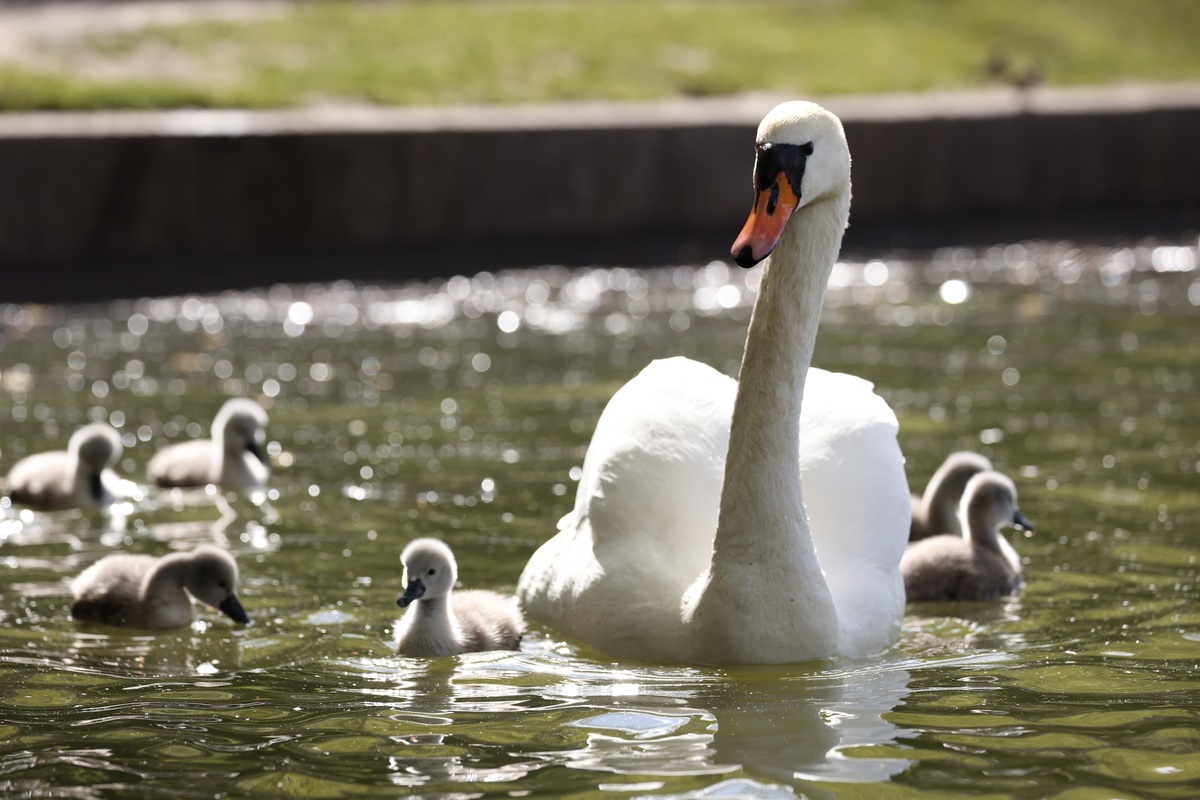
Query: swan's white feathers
[
  {"x": 675, "y": 551},
  {"x": 645, "y": 511},
  {"x": 848, "y": 458},
  {"x": 642, "y": 529}
]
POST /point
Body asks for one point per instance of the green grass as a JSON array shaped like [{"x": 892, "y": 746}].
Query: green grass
[{"x": 511, "y": 51}]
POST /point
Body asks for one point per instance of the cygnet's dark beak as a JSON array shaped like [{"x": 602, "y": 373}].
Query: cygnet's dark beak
[
  {"x": 96, "y": 485},
  {"x": 232, "y": 608},
  {"x": 256, "y": 448},
  {"x": 1020, "y": 522},
  {"x": 413, "y": 592}
]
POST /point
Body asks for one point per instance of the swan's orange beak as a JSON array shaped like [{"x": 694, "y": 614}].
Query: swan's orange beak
[{"x": 773, "y": 205}]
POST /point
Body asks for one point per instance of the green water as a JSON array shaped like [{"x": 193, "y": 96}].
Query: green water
[{"x": 463, "y": 409}]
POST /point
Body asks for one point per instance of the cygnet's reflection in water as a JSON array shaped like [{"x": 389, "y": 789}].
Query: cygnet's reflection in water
[{"x": 205, "y": 648}]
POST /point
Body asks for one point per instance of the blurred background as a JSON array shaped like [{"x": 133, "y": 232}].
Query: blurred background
[{"x": 412, "y": 139}]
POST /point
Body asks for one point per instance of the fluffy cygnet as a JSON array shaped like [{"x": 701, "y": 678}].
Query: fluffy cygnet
[
  {"x": 443, "y": 622},
  {"x": 936, "y": 511},
  {"x": 147, "y": 592},
  {"x": 978, "y": 565},
  {"x": 78, "y": 477},
  {"x": 234, "y": 458}
]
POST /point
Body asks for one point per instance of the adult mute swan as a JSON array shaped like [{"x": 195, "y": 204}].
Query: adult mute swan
[{"x": 691, "y": 538}]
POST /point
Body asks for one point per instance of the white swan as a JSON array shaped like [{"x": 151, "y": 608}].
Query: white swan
[
  {"x": 690, "y": 540},
  {"x": 936, "y": 511},
  {"x": 979, "y": 563},
  {"x": 233, "y": 458},
  {"x": 146, "y": 592},
  {"x": 443, "y": 622},
  {"x": 78, "y": 477}
]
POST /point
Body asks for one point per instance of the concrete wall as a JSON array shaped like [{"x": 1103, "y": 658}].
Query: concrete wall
[{"x": 135, "y": 203}]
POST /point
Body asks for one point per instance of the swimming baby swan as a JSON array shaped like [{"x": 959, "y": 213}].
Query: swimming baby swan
[
  {"x": 446, "y": 623},
  {"x": 78, "y": 477},
  {"x": 936, "y": 511},
  {"x": 978, "y": 565},
  {"x": 146, "y": 592},
  {"x": 234, "y": 458}
]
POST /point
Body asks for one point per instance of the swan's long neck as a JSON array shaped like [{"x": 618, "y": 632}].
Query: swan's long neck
[
  {"x": 762, "y": 510},
  {"x": 764, "y": 598}
]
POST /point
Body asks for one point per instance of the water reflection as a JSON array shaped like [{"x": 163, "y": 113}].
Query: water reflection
[{"x": 462, "y": 409}]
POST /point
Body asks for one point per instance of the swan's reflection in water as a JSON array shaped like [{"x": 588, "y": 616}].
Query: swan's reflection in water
[{"x": 769, "y": 729}]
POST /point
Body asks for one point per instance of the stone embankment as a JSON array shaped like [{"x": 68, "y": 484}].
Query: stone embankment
[{"x": 120, "y": 204}]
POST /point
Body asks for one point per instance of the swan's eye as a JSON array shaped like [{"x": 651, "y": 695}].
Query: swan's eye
[
  {"x": 807, "y": 149},
  {"x": 432, "y": 571}
]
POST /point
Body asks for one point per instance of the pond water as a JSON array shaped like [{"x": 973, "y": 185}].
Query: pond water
[{"x": 463, "y": 408}]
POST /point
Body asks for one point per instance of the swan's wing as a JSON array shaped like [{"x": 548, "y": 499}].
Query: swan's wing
[
  {"x": 858, "y": 503},
  {"x": 646, "y": 508},
  {"x": 654, "y": 468}
]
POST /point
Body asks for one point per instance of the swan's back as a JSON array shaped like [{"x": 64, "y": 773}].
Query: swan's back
[
  {"x": 857, "y": 498},
  {"x": 645, "y": 513}
]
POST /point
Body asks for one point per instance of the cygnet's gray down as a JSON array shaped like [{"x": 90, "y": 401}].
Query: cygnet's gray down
[
  {"x": 146, "y": 592},
  {"x": 78, "y": 477},
  {"x": 443, "y": 622},
  {"x": 978, "y": 566},
  {"x": 936, "y": 511},
  {"x": 233, "y": 458}
]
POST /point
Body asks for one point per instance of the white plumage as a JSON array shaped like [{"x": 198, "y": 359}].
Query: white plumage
[{"x": 691, "y": 538}]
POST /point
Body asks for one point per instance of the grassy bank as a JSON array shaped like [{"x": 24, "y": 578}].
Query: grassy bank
[{"x": 507, "y": 51}]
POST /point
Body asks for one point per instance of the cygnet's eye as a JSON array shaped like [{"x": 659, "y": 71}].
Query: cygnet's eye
[{"x": 432, "y": 571}]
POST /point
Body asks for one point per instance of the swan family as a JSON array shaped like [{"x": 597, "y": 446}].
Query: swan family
[{"x": 765, "y": 519}]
